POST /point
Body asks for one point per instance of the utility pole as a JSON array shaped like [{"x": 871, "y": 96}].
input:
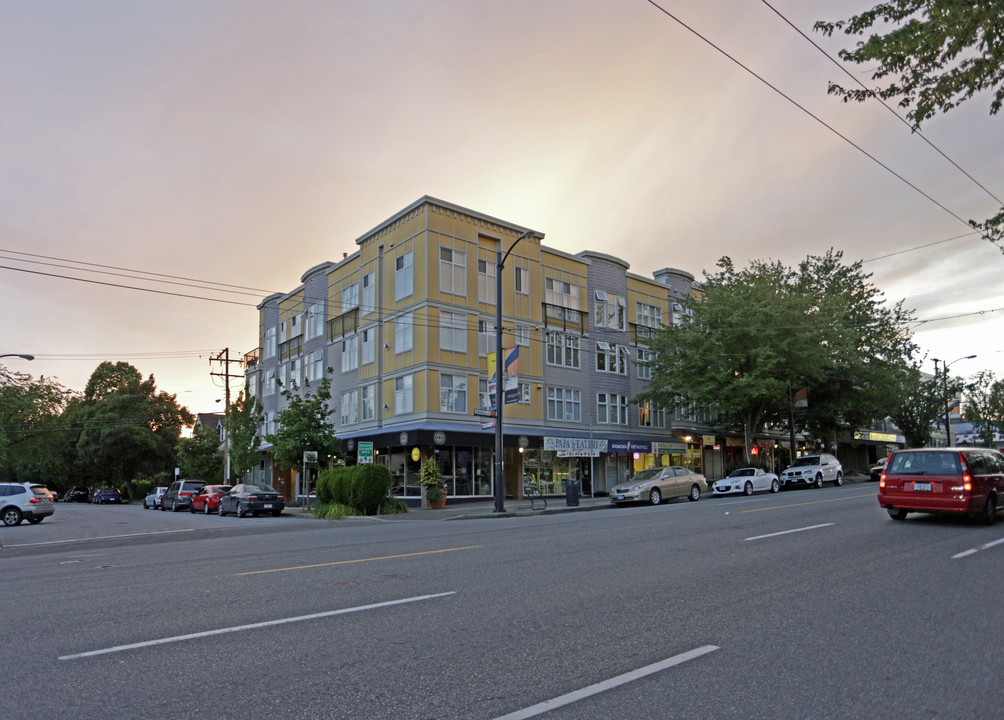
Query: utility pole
[{"x": 224, "y": 358}]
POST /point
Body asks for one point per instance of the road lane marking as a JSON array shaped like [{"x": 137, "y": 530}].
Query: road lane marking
[
  {"x": 811, "y": 502},
  {"x": 568, "y": 699},
  {"x": 252, "y": 626},
  {"x": 349, "y": 562},
  {"x": 979, "y": 548},
  {"x": 788, "y": 532},
  {"x": 101, "y": 537}
]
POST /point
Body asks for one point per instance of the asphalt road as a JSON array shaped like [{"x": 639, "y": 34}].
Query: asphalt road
[{"x": 807, "y": 604}]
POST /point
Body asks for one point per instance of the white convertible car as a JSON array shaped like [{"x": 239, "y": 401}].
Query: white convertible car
[{"x": 747, "y": 481}]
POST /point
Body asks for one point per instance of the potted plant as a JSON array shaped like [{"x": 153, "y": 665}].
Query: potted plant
[{"x": 431, "y": 480}]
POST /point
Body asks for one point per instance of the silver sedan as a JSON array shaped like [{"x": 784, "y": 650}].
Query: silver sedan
[{"x": 747, "y": 481}]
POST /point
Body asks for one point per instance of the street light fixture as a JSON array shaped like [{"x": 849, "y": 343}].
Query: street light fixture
[
  {"x": 944, "y": 379},
  {"x": 499, "y": 366},
  {"x": 23, "y": 357}
]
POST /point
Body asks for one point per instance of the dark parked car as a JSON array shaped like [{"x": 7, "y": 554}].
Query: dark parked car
[
  {"x": 207, "y": 500},
  {"x": 245, "y": 500},
  {"x": 179, "y": 495},
  {"x": 78, "y": 494},
  {"x": 106, "y": 495}
]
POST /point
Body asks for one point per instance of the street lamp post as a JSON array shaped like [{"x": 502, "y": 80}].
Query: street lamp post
[
  {"x": 499, "y": 362},
  {"x": 22, "y": 356},
  {"x": 944, "y": 380}
]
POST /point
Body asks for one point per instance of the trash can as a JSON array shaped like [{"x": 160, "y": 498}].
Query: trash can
[{"x": 572, "y": 493}]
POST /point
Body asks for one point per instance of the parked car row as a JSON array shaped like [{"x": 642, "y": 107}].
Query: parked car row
[{"x": 198, "y": 497}]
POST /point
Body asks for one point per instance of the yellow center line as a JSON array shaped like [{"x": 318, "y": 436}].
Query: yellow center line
[
  {"x": 811, "y": 502},
  {"x": 348, "y": 562}
]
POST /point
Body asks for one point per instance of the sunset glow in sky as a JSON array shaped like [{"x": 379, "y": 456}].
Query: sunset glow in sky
[{"x": 216, "y": 150}]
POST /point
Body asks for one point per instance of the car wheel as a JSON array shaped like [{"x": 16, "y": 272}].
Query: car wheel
[
  {"x": 174, "y": 506},
  {"x": 748, "y": 488},
  {"x": 205, "y": 508},
  {"x": 35, "y": 520},
  {"x": 240, "y": 511},
  {"x": 655, "y": 497},
  {"x": 775, "y": 486},
  {"x": 897, "y": 513},
  {"x": 989, "y": 514},
  {"x": 840, "y": 479},
  {"x": 12, "y": 516},
  {"x": 191, "y": 508},
  {"x": 695, "y": 493},
  {"x": 145, "y": 506},
  {"x": 220, "y": 510},
  {"x": 819, "y": 481}
]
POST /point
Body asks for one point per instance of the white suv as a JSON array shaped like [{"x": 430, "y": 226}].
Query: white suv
[
  {"x": 24, "y": 501},
  {"x": 813, "y": 470}
]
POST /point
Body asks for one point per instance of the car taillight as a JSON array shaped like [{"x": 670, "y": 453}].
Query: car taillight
[
  {"x": 184, "y": 494},
  {"x": 34, "y": 500},
  {"x": 252, "y": 497},
  {"x": 882, "y": 481},
  {"x": 967, "y": 483}
]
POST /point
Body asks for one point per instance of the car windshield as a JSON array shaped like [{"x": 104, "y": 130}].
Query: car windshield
[
  {"x": 925, "y": 463},
  {"x": 260, "y": 488},
  {"x": 742, "y": 472},
  {"x": 806, "y": 460},
  {"x": 646, "y": 475}
]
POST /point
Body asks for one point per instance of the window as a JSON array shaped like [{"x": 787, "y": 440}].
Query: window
[
  {"x": 315, "y": 365},
  {"x": 521, "y": 280},
  {"x": 453, "y": 331},
  {"x": 369, "y": 293},
  {"x": 611, "y": 357},
  {"x": 486, "y": 282},
  {"x": 524, "y": 393},
  {"x": 350, "y": 407},
  {"x": 404, "y": 333},
  {"x": 453, "y": 393},
  {"x": 269, "y": 382},
  {"x": 484, "y": 397},
  {"x": 562, "y": 299},
  {"x": 283, "y": 376},
  {"x": 453, "y": 271},
  {"x": 522, "y": 335},
  {"x": 651, "y": 417},
  {"x": 315, "y": 320},
  {"x": 404, "y": 275},
  {"x": 564, "y": 404},
  {"x": 562, "y": 350},
  {"x": 487, "y": 340},
  {"x": 404, "y": 394},
  {"x": 644, "y": 368},
  {"x": 680, "y": 313},
  {"x": 368, "y": 346},
  {"x": 269, "y": 343},
  {"x": 611, "y": 409},
  {"x": 294, "y": 371},
  {"x": 368, "y": 402},
  {"x": 611, "y": 311},
  {"x": 350, "y": 353},
  {"x": 649, "y": 318},
  {"x": 350, "y": 297}
]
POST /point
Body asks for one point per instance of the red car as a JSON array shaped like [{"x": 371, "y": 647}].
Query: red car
[
  {"x": 955, "y": 480},
  {"x": 207, "y": 500}
]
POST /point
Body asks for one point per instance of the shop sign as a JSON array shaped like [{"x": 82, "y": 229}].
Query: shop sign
[
  {"x": 875, "y": 436},
  {"x": 365, "y": 456},
  {"x": 664, "y": 448},
  {"x": 584, "y": 447},
  {"x": 630, "y": 446}
]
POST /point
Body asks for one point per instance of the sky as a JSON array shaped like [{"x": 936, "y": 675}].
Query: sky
[{"x": 215, "y": 150}]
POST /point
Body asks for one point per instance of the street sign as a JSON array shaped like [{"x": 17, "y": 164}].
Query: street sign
[
  {"x": 484, "y": 413},
  {"x": 488, "y": 425},
  {"x": 365, "y": 452}
]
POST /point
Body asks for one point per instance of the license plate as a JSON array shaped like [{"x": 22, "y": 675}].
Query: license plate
[
  {"x": 620, "y": 497},
  {"x": 926, "y": 487},
  {"x": 268, "y": 506}
]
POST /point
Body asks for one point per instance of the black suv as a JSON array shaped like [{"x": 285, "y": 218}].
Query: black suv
[
  {"x": 78, "y": 494},
  {"x": 179, "y": 495}
]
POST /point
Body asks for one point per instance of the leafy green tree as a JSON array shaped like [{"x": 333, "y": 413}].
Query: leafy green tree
[
  {"x": 200, "y": 456},
  {"x": 243, "y": 422},
  {"x": 128, "y": 429},
  {"x": 984, "y": 403},
  {"x": 923, "y": 404},
  {"x": 304, "y": 426},
  {"x": 934, "y": 55},
  {"x": 33, "y": 431},
  {"x": 760, "y": 334}
]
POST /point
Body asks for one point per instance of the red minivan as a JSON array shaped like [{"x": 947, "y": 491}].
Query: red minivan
[{"x": 957, "y": 480}]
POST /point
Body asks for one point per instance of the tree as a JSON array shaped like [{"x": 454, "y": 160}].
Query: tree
[
  {"x": 128, "y": 429},
  {"x": 984, "y": 401},
  {"x": 303, "y": 426},
  {"x": 922, "y": 406},
  {"x": 199, "y": 456},
  {"x": 33, "y": 431},
  {"x": 760, "y": 334},
  {"x": 937, "y": 55},
  {"x": 242, "y": 424}
]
